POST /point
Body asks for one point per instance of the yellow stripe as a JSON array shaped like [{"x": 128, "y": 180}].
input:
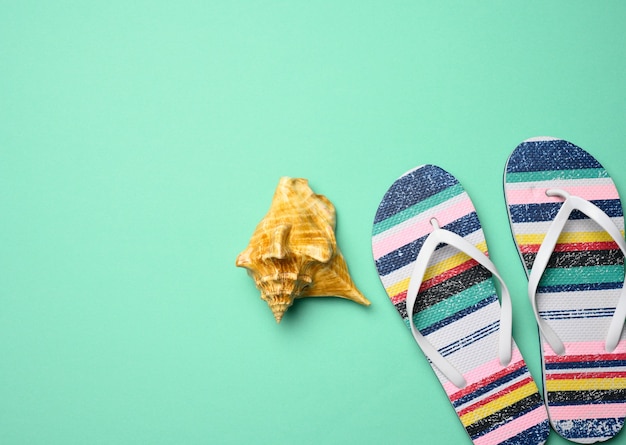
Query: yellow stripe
[
  {"x": 499, "y": 404},
  {"x": 585, "y": 384},
  {"x": 565, "y": 238},
  {"x": 435, "y": 269},
  {"x": 400, "y": 286},
  {"x": 451, "y": 263}
]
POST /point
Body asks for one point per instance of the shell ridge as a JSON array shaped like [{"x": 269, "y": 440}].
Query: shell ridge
[{"x": 293, "y": 251}]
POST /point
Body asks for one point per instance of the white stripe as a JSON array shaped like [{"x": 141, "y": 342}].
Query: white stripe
[
  {"x": 556, "y": 301},
  {"x": 465, "y": 326},
  {"x": 542, "y": 138},
  {"x": 473, "y": 356},
  {"x": 557, "y": 183},
  {"x": 572, "y": 226},
  {"x": 581, "y": 329},
  {"x": 584, "y": 370}
]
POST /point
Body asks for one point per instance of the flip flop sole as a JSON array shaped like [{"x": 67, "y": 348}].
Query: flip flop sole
[
  {"x": 585, "y": 390},
  {"x": 457, "y": 308}
]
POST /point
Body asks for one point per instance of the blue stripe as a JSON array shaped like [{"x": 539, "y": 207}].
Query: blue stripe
[
  {"x": 581, "y": 365},
  {"x": 521, "y": 213},
  {"x": 579, "y": 287},
  {"x": 495, "y": 426},
  {"x": 408, "y": 253},
  {"x": 577, "y": 314},
  {"x": 490, "y": 387},
  {"x": 596, "y": 399},
  {"x": 536, "y": 435},
  {"x": 470, "y": 339},
  {"x": 549, "y": 155},
  {"x": 594, "y": 310},
  {"x": 596, "y": 428},
  {"x": 457, "y": 316},
  {"x": 412, "y": 188}
]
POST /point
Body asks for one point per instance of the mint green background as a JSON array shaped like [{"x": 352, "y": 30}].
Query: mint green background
[{"x": 140, "y": 144}]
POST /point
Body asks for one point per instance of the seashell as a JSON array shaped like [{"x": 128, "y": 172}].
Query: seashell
[{"x": 293, "y": 252}]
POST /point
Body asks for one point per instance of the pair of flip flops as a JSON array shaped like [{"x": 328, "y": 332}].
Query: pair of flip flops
[{"x": 567, "y": 223}]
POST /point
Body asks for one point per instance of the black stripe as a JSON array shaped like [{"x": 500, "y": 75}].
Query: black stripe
[
  {"x": 452, "y": 286},
  {"x": 610, "y": 257},
  {"x": 503, "y": 416},
  {"x": 583, "y": 397},
  {"x": 446, "y": 289}
]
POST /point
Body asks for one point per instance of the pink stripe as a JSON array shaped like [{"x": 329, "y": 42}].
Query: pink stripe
[
  {"x": 394, "y": 240},
  {"x": 479, "y": 373},
  {"x": 600, "y": 411},
  {"x": 513, "y": 428},
  {"x": 585, "y": 348},
  {"x": 538, "y": 195}
]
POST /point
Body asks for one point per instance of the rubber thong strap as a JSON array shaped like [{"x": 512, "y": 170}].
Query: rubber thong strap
[
  {"x": 442, "y": 236},
  {"x": 570, "y": 204}
]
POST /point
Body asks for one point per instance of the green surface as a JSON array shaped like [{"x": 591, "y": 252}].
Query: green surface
[{"x": 140, "y": 144}]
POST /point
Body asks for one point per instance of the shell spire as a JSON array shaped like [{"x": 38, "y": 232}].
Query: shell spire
[{"x": 293, "y": 252}]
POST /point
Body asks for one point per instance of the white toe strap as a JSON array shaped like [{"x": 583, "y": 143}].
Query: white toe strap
[
  {"x": 570, "y": 204},
  {"x": 442, "y": 236}
]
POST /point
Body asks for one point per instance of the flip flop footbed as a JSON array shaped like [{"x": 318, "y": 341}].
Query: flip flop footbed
[
  {"x": 457, "y": 307},
  {"x": 585, "y": 389}
]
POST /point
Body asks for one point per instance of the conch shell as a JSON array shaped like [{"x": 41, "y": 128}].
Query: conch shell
[{"x": 293, "y": 252}]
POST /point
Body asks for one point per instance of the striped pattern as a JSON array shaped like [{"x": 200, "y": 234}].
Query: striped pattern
[
  {"x": 585, "y": 389},
  {"x": 457, "y": 308}
]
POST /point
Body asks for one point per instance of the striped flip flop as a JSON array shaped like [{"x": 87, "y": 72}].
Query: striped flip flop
[
  {"x": 567, "y": 222},
  {"x": 431, "y": 256}
]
